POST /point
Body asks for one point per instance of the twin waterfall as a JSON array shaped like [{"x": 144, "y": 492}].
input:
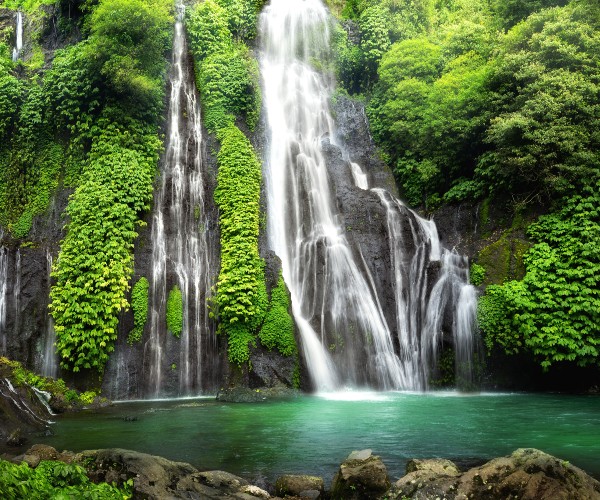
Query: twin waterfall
[
  {"x": 345, "y": 338},
  {"x": 360, "y": 324}
]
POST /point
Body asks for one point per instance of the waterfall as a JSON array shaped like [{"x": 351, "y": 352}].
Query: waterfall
[
  {"x": 182, "y": 251},
  {"x": 49, "y": 357},
  {"x": 345, "y": 338},
  {"x": 3, "y": 295},
  {"x": 332, "y": 293},
  {"x": 18, "y": 38},
  {"x": 17, "y": 293}
]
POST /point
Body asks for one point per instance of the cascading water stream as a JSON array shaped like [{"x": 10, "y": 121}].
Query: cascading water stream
[
  {"x": 344, "y": 334},
  {"x": 182, "y": 254},
  {"x": 3, "y": 295},
  {"x": 50, "y": 358},
  {"x": 330, "y": 288},
  {"x": 18, "y": 38}
]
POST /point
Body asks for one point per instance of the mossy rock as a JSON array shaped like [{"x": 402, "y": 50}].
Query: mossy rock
[{"x": 503, "y": 259}]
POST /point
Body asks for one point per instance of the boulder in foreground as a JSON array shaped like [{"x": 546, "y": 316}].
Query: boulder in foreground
[{"x": 527, "y": 474}]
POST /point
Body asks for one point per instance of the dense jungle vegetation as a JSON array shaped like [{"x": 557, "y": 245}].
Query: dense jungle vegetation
[
  {"x": 470, "y": 101},
  {"x": 496, "y": 102}
]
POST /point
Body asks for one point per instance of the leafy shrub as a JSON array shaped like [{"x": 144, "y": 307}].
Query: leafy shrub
[
  {"x": 241, "y": 297},
  {"x": 175, "y": 311},
  {"x": 277, "y": 331},
  {"x": 554, "y": 312},
  {"x": 51, "y": 479},
  {"x": 476, "y": 274},
  {"x": 139, "y": 305}
]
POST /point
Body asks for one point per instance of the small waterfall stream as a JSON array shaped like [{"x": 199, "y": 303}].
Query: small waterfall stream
[
  {"x": 183, "y": 252},
  {"x": 3, "y": 296},
  {"x": 18, "y": 38},
  {"x": 345, "y": 338},
  {"x": 49, "y": 356}
]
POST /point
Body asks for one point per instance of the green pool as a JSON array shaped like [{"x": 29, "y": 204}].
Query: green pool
[{"x": 313, "y": 434}]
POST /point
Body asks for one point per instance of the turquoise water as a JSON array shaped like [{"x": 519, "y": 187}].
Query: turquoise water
[{"x": 313, "y": 434}]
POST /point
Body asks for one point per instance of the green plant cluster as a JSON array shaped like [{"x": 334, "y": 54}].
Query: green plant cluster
[
  {"x": 241, "y": 298},
  {"x": 175, "y": 311},
  {"x": 139, "y": 306},
  {"x": 226, "y": 74},
  {"x": 277, "y": 331},
  {"x": 227, "y": 78},
  {"x": 476, "y": 274},
  {"x": 53, "y": 479},
  {"x": 464, "y": 110},
  {"x": 118, "y": 134},
  {"x": 554, "y": 312}
]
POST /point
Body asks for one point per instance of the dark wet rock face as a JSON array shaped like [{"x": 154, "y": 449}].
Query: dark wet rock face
[{"x": 22, "y": 414}]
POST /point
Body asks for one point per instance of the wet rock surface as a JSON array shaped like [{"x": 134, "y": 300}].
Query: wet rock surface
[
  {"x": 526, "y": 474},
  {"x": 361, "y": 476},
  {"x": 241, "y": 394},
  {"x": 22, "y": 415}
]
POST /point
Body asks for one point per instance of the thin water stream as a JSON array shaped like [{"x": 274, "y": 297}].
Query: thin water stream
[{"x": 313, "y": 434}]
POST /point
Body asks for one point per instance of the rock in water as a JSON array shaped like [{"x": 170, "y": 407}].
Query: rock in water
[
  {"x": 527, "y": 474},
  {"x": 361, "y": 476},
  {"x": 299, "y": 486}
]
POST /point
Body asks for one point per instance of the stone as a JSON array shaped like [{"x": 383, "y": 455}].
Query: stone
[
  {"x": 295, "y": 485},
  {"x": 255, "y": 491},
  {"x": 527, "y": 474},
  {"x": 360, "y": 478},
  {"x": 435, "y": 465}
]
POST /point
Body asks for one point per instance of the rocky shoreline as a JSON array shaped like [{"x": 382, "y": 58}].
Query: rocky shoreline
[{"x": 525, "y": 474}]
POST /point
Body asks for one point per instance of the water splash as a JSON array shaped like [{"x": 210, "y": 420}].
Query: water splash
[
  {"x": 18, "y": 38},
  {"x": 181, "y": 251}
]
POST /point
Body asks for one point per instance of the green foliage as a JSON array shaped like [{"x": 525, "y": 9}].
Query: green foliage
[
  {"x": 128, "y": 43},
  {"x": 226, "y": 74},
  {"x": 52, "y": 479},
  {"x": 242, "y": 17},
  {"x": 375, "y": 38},
  {"x": 175, "y": 311},
  {"x": 139, "y": 305},
  {"x": 554, "y": 312},
  {"x": 95, "y": 262},
  {"x": 106, "y": 93},
  {"x": 241, "y": 297},
  {"x": 545, "y": 85},
  {"x": 476, "y": 274},
  {"x": 277, "y": 331}
]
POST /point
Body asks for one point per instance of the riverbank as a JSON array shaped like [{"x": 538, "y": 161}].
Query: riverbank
[{"x": 526, "y": 474}]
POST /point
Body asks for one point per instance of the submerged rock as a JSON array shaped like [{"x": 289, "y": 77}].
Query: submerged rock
[
  {"x": 527, "y": 474},
  {"x": 246, "y": 395},
  {"x": 361, "y": 476}
]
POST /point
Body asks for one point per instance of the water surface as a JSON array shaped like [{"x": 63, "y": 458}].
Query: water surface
[{"x": 313, "y": 434}]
